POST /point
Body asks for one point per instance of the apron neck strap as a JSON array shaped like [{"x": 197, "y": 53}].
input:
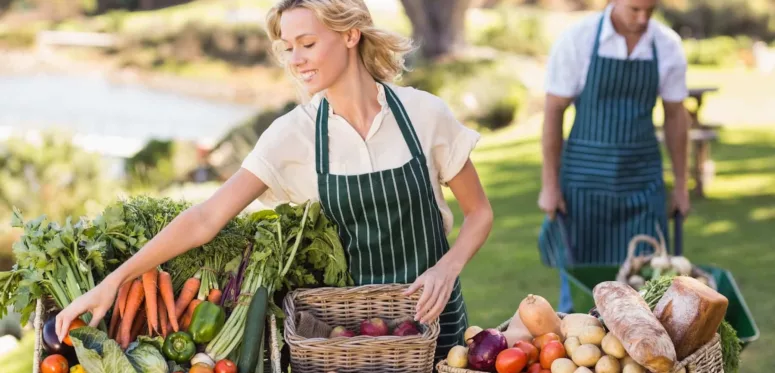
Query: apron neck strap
[
  {"x": 396, "y": 107},
  {"x": 597, "y": 40}
]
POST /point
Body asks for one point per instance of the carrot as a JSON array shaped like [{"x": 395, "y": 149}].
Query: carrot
[
  {"x": 114, "y": 321},
  {"x": 163, "y": 323},
  {"x": 123, "y": 291},
  {"x": 139, "y": 322},
  {"x": 187, "y": 294},
  {"x": 150, "y": 280},
  {"x": 168, "y": 296},
  {"x": 214, "y": 296},
  {"x": 133, "y": 302},
  {"x": 186, "y": 321}
]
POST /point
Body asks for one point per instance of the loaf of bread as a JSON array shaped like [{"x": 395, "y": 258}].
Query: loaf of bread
[
  {"x": 629, "y": 318},
  {"x": 691, "y": 312}
]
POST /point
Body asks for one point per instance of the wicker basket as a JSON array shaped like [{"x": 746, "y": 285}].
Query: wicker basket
[
  {"x": 40, "y": 312},
  {"x": 707, "y": 359},
  {"x": 632, "y": 264},
  {"x": 348, "y": 307}
]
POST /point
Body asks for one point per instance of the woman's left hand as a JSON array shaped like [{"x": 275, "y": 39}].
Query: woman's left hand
[{"x": 437, "y": 283}]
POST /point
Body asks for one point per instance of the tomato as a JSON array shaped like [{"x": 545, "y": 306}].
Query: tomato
[
  {"x": 225, "y": 366},
  {"x": 54, "y": 364},
  {"x": 511, "y": 360},
  {"x": 541, "y": 341},
  {"x": 551, "y": 352},
  {"x": 77, "y": 323},
  {"x": 530, "y": 350},
  {"x": 200, "y": 368},
  {"x": 534, "y": 368}
]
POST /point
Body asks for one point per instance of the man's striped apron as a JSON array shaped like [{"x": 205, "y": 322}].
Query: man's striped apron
[
  {"x": 389, "y": 222},
  {"x": 611, "y": 168}
]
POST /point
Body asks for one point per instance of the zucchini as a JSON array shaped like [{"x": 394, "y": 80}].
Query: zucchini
[{"x": 250, "y": 351}]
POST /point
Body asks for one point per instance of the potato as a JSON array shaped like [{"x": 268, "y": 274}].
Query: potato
[
  {"x": 633, "y": 368},
  {"x": 587, "y": 355},
  {"x": 458, "y": 357},
  {"x": 583, "y": 370},
  {"x": 608, "y": 364},
  {"x": 627, "y": 360},
  {"x": 571, "y": 344},
  {"x": 613, "y": 347},
  {"x": 573, "y": 325},
  {"x": 563, "y": 365},
  {"x": 592, "y": 335}
]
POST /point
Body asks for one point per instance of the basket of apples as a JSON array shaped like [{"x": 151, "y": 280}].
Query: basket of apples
[{"x": 366, "y": 328}]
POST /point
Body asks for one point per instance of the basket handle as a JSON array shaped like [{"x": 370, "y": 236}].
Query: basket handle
[{"x": 658, "y": 248}]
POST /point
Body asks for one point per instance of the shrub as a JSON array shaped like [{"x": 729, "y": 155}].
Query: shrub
[{"x": 719, "y": 51}]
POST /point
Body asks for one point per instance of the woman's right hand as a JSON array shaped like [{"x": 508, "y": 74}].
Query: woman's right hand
[
  {"x": 97, "y": 301},
  {"x": 550, "y": 200}
]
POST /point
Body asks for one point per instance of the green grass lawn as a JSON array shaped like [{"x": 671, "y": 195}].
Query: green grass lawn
[{"x": 730, "y": 229}]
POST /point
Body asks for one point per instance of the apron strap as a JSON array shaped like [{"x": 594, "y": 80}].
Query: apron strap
[
  {"x": 597, "y": 35},
  {"x": 396, "y": 107}
]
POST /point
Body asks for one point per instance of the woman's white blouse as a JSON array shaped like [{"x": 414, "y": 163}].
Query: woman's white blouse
[{"x": 284, "y": 156}]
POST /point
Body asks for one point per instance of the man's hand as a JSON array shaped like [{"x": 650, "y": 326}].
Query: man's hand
[
  {"x": 680, "y": 201},
  {"x": 550, "y": 200}
]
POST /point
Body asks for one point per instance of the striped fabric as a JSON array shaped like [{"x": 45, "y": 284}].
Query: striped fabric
[
  {"x": 389, "y": 222},
  {"x": 611, "y": 168}
]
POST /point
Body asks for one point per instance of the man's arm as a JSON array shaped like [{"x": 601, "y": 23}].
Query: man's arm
[
  {"x": 551, "y": 140},
  {"x": 677, "y": 141}
]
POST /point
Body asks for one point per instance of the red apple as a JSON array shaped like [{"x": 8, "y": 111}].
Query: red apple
[
  {"x": 374, "y": 327},
  {"x": 406, "y": 328},
  {"x": 341, "y": 331}
]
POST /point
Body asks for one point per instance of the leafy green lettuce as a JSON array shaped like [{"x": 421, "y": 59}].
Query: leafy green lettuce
[{"x": 100, "y": 354}]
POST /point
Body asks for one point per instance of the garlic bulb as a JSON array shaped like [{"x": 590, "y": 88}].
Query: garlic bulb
[
  {"x": 661, "y": 262},
  {"x": 681, "y": 265}
]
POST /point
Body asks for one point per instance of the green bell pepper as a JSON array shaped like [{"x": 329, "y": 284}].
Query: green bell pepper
[
  {"x": 179, "y": 347},
  {"x": 206, "y": 322}
]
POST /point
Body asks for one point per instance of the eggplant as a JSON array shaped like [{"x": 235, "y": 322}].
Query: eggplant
[{"x": 51, "y": 343}]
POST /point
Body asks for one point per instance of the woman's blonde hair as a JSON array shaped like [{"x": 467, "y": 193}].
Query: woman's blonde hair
[{"x": 383, "y": 53}]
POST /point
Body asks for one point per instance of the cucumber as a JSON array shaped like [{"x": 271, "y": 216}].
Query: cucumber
[{"x": 250, "y": 350}]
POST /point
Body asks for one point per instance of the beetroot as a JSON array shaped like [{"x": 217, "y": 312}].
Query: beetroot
[
  {"x": 484, "y": 348},
  {"x": 341, "y": 331},
  {"x": 374, "y": 327},
  {"x": 406, "y": 328}
]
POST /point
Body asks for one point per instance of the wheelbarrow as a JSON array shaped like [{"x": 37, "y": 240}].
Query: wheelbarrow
[{"x": 583, "y": 278}]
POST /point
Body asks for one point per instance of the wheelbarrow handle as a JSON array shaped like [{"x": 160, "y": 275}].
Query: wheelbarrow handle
[
  {"x": 562, "y": 221},
  {"x": 679, "y": 239}
]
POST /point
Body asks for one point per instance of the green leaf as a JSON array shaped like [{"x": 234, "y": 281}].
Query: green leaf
[
  {"x": 54, "y": 246},
  {"x": 146, "y": 358},
  {"x": 17, "y": 221}
]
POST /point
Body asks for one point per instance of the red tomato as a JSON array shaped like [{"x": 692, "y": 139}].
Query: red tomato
[
  {"x": 534, "y": 368},
  {"x": 54, "y": 364},
  {"x": 552, "y": 351},
  {"x": 541, "y": 341},
  {"x": 510, "y": 360},
  {"x": 530, "y": 350},
  {"x": 77, "y": 323},
  {"x": 225, "y": 366}
]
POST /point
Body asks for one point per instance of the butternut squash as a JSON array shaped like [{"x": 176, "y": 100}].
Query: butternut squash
[{"x": 538, "y": 316}]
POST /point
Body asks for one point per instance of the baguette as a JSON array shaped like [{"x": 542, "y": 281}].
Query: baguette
[{"x": 629, "y": 318}]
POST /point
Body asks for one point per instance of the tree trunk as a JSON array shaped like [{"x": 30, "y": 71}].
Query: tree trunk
[{"x": 438, "y": 25}]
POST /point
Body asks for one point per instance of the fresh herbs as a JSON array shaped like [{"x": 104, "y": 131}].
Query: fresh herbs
[{"x": 53, "y": 259}]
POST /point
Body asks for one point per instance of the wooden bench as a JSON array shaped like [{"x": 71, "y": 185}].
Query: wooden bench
[{"x": 700, "y": 138}]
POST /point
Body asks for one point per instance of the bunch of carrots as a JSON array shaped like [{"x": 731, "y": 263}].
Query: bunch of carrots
[{"x": 163, "y": 313}]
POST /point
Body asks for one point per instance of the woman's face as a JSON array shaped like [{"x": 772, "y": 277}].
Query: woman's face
[{"x": 317, "y": 55}]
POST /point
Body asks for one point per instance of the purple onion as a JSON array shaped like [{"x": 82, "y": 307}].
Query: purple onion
[{"x": 484, "y": 348}]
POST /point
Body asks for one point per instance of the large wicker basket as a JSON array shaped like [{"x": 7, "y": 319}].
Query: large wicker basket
[
  {"x": 41, "y": 311},
  {"x": 707, "y": 359},
  {"x": 348, "y": 307}
]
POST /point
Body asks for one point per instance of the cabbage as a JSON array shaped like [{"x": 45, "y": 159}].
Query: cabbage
[{"x": 147, "y": 359}]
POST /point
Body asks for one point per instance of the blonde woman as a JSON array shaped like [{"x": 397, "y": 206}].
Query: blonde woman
[{"x": 374, "y": 154}]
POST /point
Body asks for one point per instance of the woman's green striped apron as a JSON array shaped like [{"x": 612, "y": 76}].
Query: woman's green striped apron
[
  {"x": 611, "y": 168},
  {"x": 389, "y": 222}
]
